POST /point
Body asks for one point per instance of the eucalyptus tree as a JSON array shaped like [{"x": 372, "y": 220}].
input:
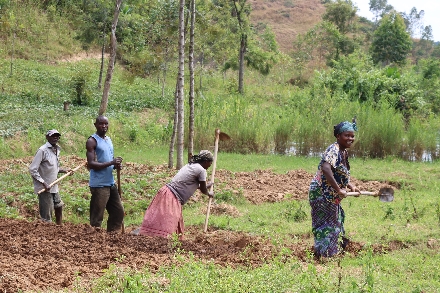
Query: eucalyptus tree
[
  {"x": 391, "y": 43},
  {"x": 161, "y": 28},
  {"x": 111, "y": 62},
  {"x": 180, "y": 87},
  {"x": 379, "y": 8},
  {"x": 250, "y": 51},
  {"x": 423, "y": 47},
  {"x": 242, "y": 10},
  {"x": 342, "y": 13},
  {"x": 216, "y": 35},
  {"x": 192, "y": 12},
  {"x": 414, "y": 21}
]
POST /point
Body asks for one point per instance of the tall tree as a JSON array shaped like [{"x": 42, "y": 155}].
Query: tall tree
[
  {"x": 216, "y": 35},
  {"x": 242, "y": 11},
  {"x": 379, "y": 8},
  {"x": 423, "y": 47},
  {"x": 174, "y": 131},
  {"x": 191, "y": 79},
  {"x": 162, "y": 27},
  {"x": 258, "y": 51},
  {"x": 391, "y": 43},
  {"x": 342, "y": 13},
  {"x": 111, "y": 62},
  {"x": 180, "y": 85},
  {"x": 414, "y": 21}
]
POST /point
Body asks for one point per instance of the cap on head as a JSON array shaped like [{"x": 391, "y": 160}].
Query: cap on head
[{"x": 52, "y": 132}]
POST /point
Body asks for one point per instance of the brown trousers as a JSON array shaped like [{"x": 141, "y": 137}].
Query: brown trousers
[{"x": 106, "y": 198}]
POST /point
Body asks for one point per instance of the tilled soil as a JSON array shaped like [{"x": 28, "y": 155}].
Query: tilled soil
[{"x": 39, "y": 256}]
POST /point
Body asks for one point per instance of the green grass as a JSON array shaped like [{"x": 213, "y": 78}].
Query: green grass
[{"x": 412, "y": 219}]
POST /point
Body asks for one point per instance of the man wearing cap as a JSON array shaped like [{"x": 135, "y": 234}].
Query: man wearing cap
[{"x": 44, "y": 170}]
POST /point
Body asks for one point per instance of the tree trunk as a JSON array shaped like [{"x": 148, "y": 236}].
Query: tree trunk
[
  {"x": 101, "y": 70},
  {"x": 174, "y": 133},
  {"x": 191, "y": 81},
  {"x": 111, "y": 62},
  {"x": 239, "y": 10},
  {"x": 181, "y": 82},
  {"x": 241, "y": 63},
  {"x": 202, "y": 59}
]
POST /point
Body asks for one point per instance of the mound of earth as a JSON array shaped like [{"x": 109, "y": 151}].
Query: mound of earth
[
  {"x": 41, "y": 256},
  {"x": 266, "y": 186}
]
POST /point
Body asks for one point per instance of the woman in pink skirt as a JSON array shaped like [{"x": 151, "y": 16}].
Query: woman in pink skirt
[{"x": 164, "y": 215}]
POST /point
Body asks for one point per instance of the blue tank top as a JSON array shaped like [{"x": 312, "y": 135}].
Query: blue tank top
[{"x": 104, "y": 153}]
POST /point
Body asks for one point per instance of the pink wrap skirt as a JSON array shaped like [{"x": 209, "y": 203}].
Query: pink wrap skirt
[{"x": 164, "y": 216}]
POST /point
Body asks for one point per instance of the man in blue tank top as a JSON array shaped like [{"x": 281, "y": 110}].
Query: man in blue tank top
[{"x": 101, "y": 163}]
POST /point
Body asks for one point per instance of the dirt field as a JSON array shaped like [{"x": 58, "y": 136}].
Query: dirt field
[{"x": 33, "y": 252}]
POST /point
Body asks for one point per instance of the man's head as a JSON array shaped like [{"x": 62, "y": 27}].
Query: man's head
[
  {"x": 53, "y": 136},
  {"x": 101, "y": 125}
]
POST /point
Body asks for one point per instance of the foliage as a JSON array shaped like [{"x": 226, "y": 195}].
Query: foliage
[
  {"x": 318, "y": 47},
  {"x": 263, "y": 50},
  {"x": 379, "y": 8},
  {"x": 391, "y": 43},
  {"x": 341, "y": 13}
]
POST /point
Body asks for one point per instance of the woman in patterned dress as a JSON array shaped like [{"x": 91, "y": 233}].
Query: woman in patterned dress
[{"x": 328, "y": 188}]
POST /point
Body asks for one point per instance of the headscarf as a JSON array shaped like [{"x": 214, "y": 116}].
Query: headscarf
[
  {"x": 203, "y": 156},
  {"x": 345, "y": 126}
]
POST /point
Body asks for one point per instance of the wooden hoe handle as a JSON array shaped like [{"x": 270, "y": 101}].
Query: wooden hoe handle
[
  {"x": 64, "y": 176},
  {"x": 217, "y": 135}
]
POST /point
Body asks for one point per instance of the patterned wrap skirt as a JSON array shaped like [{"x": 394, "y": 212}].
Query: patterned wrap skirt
[{"x": 327, "y": 224}]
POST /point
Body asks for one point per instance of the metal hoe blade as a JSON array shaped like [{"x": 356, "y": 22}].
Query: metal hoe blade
[{"x": 386, "y": 194}]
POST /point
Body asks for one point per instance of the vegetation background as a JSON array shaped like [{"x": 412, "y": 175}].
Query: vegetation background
[{"x": 308, "y": 66}]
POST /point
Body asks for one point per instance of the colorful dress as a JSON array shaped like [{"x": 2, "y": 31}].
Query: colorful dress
[{"x": 327, "y": 213}]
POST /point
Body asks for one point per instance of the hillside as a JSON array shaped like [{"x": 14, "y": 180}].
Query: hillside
[{"x": 287, "y": 18}]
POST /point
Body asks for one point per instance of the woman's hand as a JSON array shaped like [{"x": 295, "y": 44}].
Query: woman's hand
[
  {"x": 353, "y": 188},
  {"x": 342, "y": 193}
]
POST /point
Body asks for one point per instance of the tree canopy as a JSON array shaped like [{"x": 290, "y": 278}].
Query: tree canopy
[{"x": 391, "y": 43}]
